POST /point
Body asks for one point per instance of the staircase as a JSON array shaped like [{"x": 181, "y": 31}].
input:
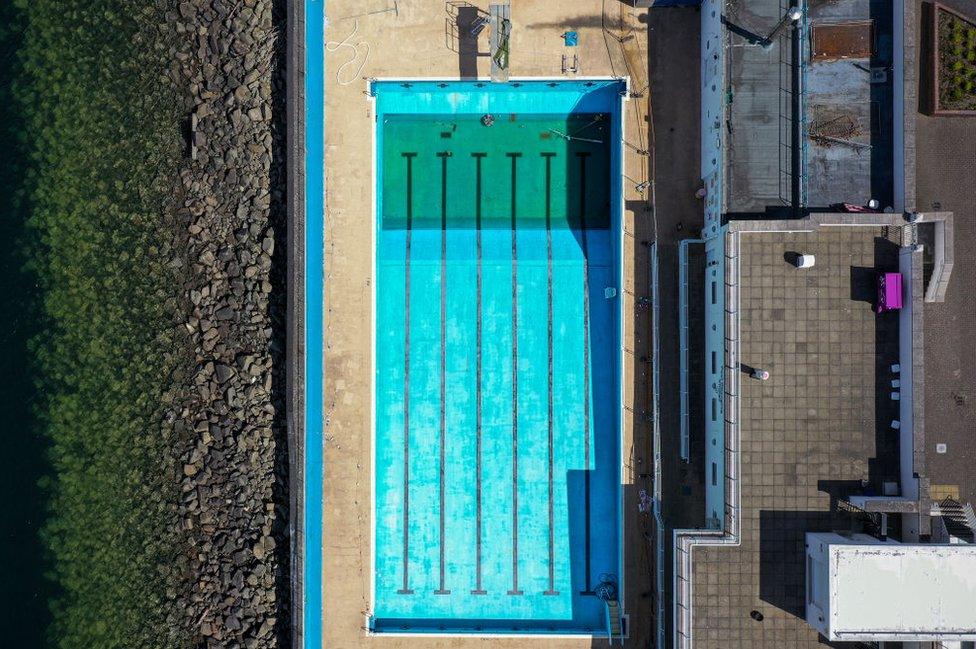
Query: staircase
[
  {"x": 614, "y": 625},
  {"x": 959, "y": 519},
  {"x": 869, "y": 522}
]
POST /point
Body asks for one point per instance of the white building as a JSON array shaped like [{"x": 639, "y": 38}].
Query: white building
[{"x": 863, "y": 589}]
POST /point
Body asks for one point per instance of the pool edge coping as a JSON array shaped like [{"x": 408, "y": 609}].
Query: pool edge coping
[{"x": 617, "y": 213}]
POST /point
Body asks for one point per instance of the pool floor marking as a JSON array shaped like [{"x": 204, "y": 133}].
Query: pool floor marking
[
  {"x": 443, "y": 155},
  {"x": 552, "y": 524},
  {"x": 478, "y": 590},
  {"x": 471, "y": 228},
  {"x": 515, "y": 504},
  {"x": 588, "y": 586},
  {"x": 405, "y": 590}
]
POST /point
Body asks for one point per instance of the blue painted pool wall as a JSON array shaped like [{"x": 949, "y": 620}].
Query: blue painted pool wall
[
  {"x": 545, "y": 97},
  {"x": 312, "y": 610}
]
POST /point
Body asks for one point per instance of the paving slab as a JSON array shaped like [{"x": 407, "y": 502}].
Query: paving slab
[{"x": 809, "y": 434}]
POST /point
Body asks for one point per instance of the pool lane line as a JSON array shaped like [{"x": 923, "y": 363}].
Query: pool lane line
[
  {"x": 552, "y": 538},
  {"x": 588, "y": 586},
  {"x": 443, "y": 155},
  {"x": 478, "y": 589},
  {"x": 515, "y": 507},
  {"x": 406, "y": 590}
]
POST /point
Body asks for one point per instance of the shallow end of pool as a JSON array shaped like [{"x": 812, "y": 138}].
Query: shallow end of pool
[{"x": 491, "y": 628}]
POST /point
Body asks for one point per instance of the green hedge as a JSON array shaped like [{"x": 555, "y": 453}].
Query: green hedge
[{"x": 102, "y": 132}]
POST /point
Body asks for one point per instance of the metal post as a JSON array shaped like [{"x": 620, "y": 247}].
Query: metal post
[{"x": 792, "y": 15}]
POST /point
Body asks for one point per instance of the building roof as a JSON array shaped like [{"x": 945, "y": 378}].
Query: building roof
[
  {"x": 902, "y": 591},
  {"x": 809, "y": 435}
]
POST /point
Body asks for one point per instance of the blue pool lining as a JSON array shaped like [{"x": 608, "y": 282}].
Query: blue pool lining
[
  {"x": 535, "y": 95},
  {"x": 552, "y": 99}
]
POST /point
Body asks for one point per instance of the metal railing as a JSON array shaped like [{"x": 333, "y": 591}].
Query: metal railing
[{"x": 732, "y": 378}]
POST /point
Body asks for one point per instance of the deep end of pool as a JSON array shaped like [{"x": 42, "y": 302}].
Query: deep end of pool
[{"x": 497, "y": 397}]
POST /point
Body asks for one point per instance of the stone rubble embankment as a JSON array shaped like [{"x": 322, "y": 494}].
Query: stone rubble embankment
[{"x": 229, "y": 61}]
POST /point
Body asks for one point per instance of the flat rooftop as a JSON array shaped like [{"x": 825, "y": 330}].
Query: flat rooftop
[
  {"x": 811, "y": 433},
  {"x": 893, "y": 589},
  {"x": 759, "y": 149},
  {"x": 946, "y": 170},
  {"x": 847, "y": 103},
  {"x": 809, "y": 112}
]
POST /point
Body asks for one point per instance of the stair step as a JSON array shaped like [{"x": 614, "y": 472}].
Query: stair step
[
  {"x": 958, "y": 519},
  {"x": 613, "y": 617}
]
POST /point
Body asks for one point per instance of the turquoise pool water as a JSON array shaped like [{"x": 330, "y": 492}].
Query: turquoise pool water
[{"x": 497, "y": 461}]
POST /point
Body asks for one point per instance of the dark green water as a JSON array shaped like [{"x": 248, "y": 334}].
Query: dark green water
[
  {"x": 23, "y": 589},
  {"x": 460, "y": 147}
]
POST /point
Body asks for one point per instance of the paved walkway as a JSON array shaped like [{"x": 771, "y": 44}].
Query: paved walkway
[
  {"x": 673, "y": 42},
  {"x": 946, "y": 171}
]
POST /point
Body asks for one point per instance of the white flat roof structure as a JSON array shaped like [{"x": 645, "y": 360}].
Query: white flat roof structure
[{"x": 862, "y": 589}]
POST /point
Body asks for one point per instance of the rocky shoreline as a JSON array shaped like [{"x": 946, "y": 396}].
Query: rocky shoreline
[{"x": 232, "y": 590}]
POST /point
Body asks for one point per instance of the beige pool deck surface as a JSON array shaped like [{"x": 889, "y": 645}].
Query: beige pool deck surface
[{"x": 414, "y": 43}]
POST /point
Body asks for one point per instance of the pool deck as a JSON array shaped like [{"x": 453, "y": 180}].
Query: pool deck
[{"x": 418, "y": 42}]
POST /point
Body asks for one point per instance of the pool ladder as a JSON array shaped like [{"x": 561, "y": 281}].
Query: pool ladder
[{"x": 614, "y": 623}]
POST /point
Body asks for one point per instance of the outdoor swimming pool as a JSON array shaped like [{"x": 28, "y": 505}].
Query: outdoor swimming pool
[{"x": 497, "y": 356}]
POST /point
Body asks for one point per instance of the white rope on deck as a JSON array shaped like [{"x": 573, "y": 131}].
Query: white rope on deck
[{"x": 334, "y": 46}]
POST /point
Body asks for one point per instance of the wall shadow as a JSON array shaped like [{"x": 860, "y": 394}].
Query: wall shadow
[
  {"x": 782, "y": 553},
  {"x": 926, "y": 71},
  {"x": 882, "y": 107},
  {"x": 885, "y": 466},
  {"x": 673, "y": 133},
  {"x": 586, "y": 577},
  {"x": 864, "y": 284},
  {"x": 463, "y": 26},
  {"x": 278, "y": 312},
  {"x": 588, "y": 207},
  {"x": 25, "y": 593}
]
